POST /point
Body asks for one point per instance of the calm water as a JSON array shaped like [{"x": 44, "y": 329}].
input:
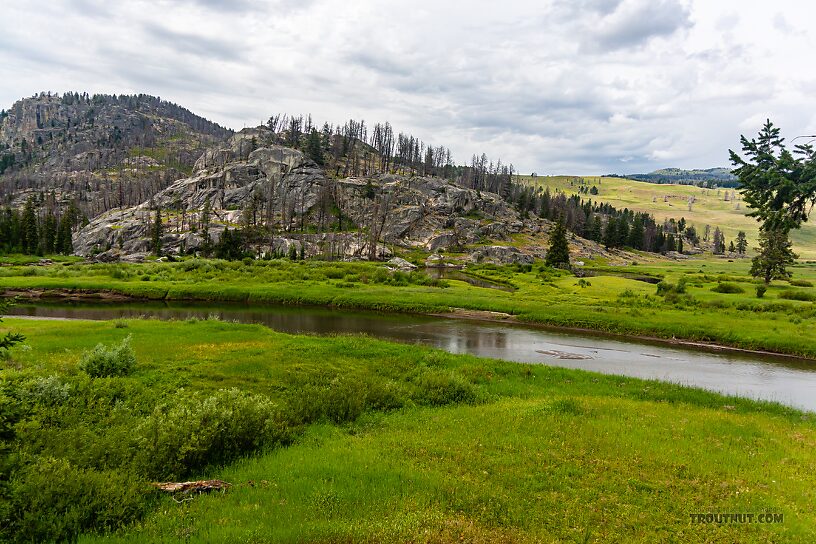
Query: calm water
[{"x": 789, "y": 381}]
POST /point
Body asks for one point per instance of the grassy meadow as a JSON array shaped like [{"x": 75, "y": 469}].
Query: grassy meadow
[
  {"x": 690, "y": 304},
  {"x": 349, "y": 439},
  {"x": 671, "y": 201}
]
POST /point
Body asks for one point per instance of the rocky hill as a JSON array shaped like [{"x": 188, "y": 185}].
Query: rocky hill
[
  {"x": 100, "y": 151},
  {"x": 255, "y": 183},
  {"x": 119, "y": 177}
]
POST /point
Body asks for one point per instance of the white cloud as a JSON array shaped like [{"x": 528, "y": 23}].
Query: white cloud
[{"x": 585, "y": 86}]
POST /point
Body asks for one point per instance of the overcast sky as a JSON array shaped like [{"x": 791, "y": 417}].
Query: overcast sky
[{"x": 578, "y": 86}]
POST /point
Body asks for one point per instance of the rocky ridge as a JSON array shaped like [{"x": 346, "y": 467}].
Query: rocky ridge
[
  {"x": 253, "y": 178},
  {"x": 99, "y": 151}
]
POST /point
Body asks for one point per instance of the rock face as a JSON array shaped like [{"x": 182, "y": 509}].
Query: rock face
[
  {"x": 500, "y": 255},
  {"x": 252, "y": 180},
  {"x": 401, "y": 264}
]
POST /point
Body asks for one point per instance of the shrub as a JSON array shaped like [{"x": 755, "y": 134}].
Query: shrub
[
  {"x": 49, "y": 391},
  {"x": 120, "y": 273},
  {"x": 665, "y": 288},
  {"x": 52, "y": 500},
  {"x": 728, "y": 288},
  {"x": 760, "y": 290},
  {"x": 335, "y": 273},
  {"x": 103, "y": 362},
  {"x": 343, "y": 399},
  {"x": 793, "y": 294},
  {"x": 196, "y": 431},
  {"x": 800, "y": 283},
  {"x": 439, "y": 388}
]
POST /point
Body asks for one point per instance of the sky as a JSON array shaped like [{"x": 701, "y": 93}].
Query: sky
[{"x": 576, "y": 87}]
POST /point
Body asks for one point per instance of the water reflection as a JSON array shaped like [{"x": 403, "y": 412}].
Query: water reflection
[{"x": 790, "y": 381}]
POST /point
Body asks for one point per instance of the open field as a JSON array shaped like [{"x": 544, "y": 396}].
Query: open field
[
  {"x": 349, "y": 439},
  {"x": 784, "y": 320},
  {"x": 671, "y": 201}
]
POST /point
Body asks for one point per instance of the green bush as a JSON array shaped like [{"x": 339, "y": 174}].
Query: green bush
[
  {"x": 51, "y": 500},
  {"x": 195, "y": 431},
  {"x": 664, "y": 287},
  {"x": 439, "y": 388},
  {"x": 801, "y": 283},
  {"x": 49, "y": 391},
  {"x": 760, "y": 290},
  {"x": 727, "y": 288},
  {"x": 793, "y": 294},
  {"x": 342, "y": 399},
  {"x": 104, "y": 362}
]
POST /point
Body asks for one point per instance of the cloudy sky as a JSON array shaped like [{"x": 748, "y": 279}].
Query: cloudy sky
[{"x": 572, "y": 86}]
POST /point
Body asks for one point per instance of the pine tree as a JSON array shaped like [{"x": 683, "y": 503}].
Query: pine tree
[
  {"x": 313, "y": 148},
  {"x": 610, "y": 238},
  {"x": 558, "y": 253},
  {"x": 595, "y": 232},
  {"x": 10, "y": 339},
  {"x": 719, "y": 242},
  {"x": 49, "y": 234},
  {"x": 774, "y": 256},
  {"x": 156, "y": 234},
  {"x": 30, "y": 240},
  {"x": 64, "y": 242},
  {"x": 206, "y": 240},
  {"x": 742, "y": 243},
  {"x": 635, "y": 239}
]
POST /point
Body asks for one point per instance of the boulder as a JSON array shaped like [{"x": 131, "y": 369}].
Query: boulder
[
  {"x": 401, "y": 264},
  {"x": 500, "y": 255},
  {"x": 441, "y": 241}
]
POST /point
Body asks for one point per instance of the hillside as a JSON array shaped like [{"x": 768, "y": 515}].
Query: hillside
[
  {"x": 284, "y": 202},
  {"x": 100, "y": 151},
  {"x": 665, "y": 201},
  {"x": 709, "y": 177},
  {"x": 124, "y": 176}
]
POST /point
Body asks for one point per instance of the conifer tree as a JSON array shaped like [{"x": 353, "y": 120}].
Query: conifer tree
[
  {"x": 313, "y": 148},
  {"x": 206, "y": 244},
  {"x": 30, "y": 239},
  {"x": 156, "y": 234},
  {"x": 558, "y": 253},
  {"x": 774, "y": 255},
  {"x": 742, "y": 243},
  {"x": 49, "y": 237}
]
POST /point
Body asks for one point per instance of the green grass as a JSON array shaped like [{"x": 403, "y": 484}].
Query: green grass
[
  {"x": 609, "y": 303},
  {"x": 666, "y": 201},
  {"x": 440, "y": 448},
  {"x": 19, "y": 259}
]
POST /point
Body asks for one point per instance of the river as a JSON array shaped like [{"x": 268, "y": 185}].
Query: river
[{"x": 786, "y": 380}]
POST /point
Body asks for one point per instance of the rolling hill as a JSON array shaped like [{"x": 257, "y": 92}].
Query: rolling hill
[{"x": 666, "y": 201}]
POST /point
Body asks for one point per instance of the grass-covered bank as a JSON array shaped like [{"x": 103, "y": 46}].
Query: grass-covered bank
[
  {"x": 355, "y": 440},
  {"x": 717, "y": 302}
]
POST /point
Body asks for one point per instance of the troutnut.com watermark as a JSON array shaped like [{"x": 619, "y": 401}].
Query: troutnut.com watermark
[{"x": 738, "y": 517}]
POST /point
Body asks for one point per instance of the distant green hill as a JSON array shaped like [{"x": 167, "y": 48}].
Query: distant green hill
[
  {"x": 710, "y": 177},
  {"x": 700, "y": 206}
]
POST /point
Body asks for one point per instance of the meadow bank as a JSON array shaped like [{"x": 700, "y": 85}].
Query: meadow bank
[
  {"x": 710, "y": 301},
  {"x": 352, "y": 439}
]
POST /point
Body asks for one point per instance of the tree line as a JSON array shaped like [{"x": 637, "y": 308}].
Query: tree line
[{"x": 41, "y": 228}]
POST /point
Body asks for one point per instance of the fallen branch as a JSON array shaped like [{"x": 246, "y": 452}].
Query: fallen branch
[{"x": 199, "y": 486}]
